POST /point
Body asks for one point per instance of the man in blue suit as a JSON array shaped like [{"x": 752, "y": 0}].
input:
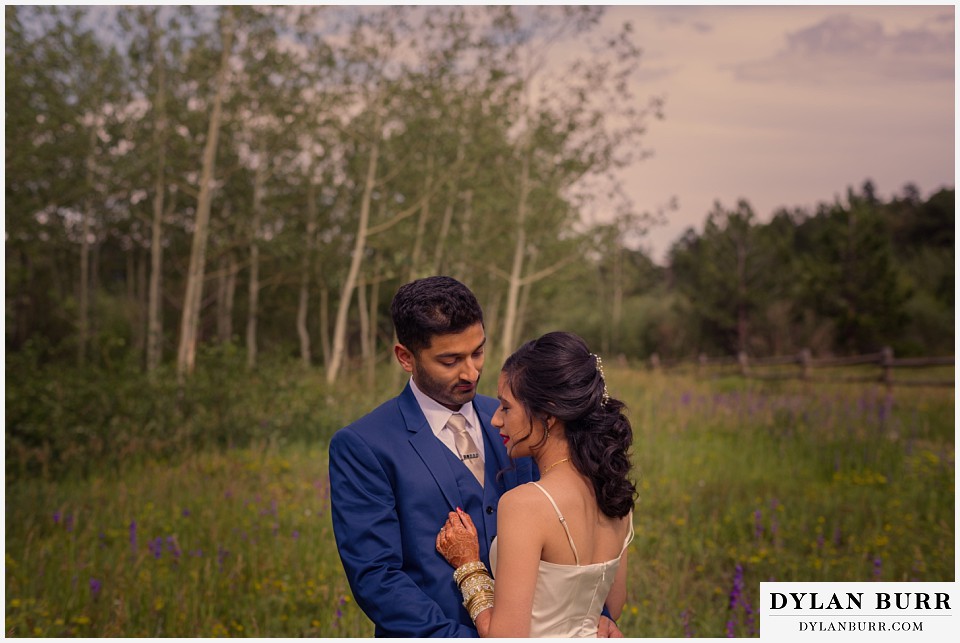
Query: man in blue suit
[{"x": 396, "y": 472}]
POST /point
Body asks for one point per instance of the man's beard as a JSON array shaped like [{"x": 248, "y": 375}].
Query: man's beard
[{"x": 442, "y": 393}]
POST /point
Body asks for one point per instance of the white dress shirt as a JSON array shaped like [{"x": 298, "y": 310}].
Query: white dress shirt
[{"x": 437, "y": 416}]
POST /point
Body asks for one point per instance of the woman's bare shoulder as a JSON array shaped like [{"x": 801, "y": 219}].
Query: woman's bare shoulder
[{"x": 524, "y": 498}]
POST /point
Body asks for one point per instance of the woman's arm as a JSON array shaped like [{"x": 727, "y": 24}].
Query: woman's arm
[
  {"x": 519, "y": 544},
  {"x": 618, "y": 591}
]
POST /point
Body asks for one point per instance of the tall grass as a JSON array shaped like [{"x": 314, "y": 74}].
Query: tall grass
[
  {"x": 748, "y": 482},
  {"x": 739, "y": 483},
  {"x": 236, "y": 543}
]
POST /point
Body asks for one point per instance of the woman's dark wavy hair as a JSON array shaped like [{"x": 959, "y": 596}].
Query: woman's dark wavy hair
[{"x": 557, "y": 375}]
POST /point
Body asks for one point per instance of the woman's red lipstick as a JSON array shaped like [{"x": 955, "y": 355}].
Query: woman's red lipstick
[{"x": 505, "y": 438}]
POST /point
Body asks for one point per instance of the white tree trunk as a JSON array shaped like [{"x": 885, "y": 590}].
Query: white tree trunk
[
  {"x": 459, "y": 270},
  {"x": 303, "y": 305},
  {"x": 617, "y": 313},
  {"x": 364, "y": 310},
  {"x": 374, "y": 298},
  {"x": 253, "y": 290},
  {"x": 509, "y": 330},
  {"x": 421, "y": 225},
  {"x": 155, "y": 304},
  {"x": 227, "y": 272},
  {"x": 447, "y": 218},
  {"x": 325, "y": 324},
  {"x": 190, "y": 319},
  {"x": 346, "y": 294},
  {"x": 83, "y": 331}
]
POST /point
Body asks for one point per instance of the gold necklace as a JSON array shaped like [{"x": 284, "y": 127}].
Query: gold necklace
[{"x": 553, "y": 465}]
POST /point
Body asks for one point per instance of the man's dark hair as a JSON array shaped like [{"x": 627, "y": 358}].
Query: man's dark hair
[{"x": 432, "y": 306}]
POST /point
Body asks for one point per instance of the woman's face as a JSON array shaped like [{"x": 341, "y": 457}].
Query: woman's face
[{"x": 512, "y": 421}]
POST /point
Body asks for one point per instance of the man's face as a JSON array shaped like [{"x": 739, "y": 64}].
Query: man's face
[{"x": 449, "y": 370}]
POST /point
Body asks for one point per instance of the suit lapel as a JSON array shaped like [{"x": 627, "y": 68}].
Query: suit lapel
[{"x": 429, "y": 448}]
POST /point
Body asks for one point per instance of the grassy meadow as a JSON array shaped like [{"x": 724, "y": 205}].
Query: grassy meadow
[{"x": 738, "y": 483}]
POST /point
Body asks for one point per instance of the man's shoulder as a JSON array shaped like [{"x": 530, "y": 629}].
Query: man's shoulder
[{"x": 380, "y": 420}]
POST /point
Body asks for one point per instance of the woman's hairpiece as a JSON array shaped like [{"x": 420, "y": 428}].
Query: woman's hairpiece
[{"x": 606, "y": 394}]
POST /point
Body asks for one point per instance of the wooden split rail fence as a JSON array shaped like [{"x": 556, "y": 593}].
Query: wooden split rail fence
[{"x": 804, "y": 366}]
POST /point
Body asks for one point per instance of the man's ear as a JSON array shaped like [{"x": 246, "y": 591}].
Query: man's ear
[{"x": 404, "y": 356}]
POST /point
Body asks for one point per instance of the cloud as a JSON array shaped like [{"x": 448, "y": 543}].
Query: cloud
[
  {"x": 682, "y": 17},
  {"x": 650, "y": 74},
  {"x": 843, "y": 49}
]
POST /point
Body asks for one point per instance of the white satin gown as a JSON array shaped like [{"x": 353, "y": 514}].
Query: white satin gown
[{"x": 568, "y": 599}]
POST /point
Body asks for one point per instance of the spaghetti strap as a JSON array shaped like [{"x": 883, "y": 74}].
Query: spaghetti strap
[
  {"x": 563, "y": 522},
  {"x": 630, "y": 533}
]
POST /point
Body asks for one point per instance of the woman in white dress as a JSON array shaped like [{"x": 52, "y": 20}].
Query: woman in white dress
[{"x": 560, "y": 553}]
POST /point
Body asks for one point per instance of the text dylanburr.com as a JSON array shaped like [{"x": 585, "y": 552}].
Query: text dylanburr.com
[{"x": 857, "y": 611}]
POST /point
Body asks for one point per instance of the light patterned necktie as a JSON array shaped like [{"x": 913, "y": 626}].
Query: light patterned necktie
[{"x": 466, "y": 447}]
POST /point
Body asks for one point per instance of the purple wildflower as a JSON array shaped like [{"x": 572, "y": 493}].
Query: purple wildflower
[
  {"x": 685, "y": 400},
  {"x": 757, "y": 524},
  {"x": 687, "y": 629},
  {"x": 133, "y": 534},
  {"x": 735, "y": 598},
  {"x": 56, "y": 517},
  {"x": 339, "y": 613},
  {"x": 748, "y": 617},
  {"x": 185, "y": 513},
  {"x": 156, "y": 547},
  {"x": 173, "y": 547},
  {"x": 95, "y": 587},
  {"x": 886, "y": 408},
  {"x": 877, "y": 568},
  {"x": 296, "y": 534},
  {"x": 68, "y": 522}
]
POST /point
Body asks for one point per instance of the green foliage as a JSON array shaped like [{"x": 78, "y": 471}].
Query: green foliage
[
  {"x": 63, "y": 419},
  {"x": 851, "y": 278},
  {"x": 784, "y": 481}
]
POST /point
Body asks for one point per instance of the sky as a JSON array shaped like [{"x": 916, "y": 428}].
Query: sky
[{"x": 788, "y": 106}]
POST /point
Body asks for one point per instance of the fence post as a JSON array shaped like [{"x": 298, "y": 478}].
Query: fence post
[
  {"x": 886, "y": 362},
  {"x": 805, "y": 364},
  {"x": 655, "y": 362},
  {"x": 701, "y": 364},
  {"x": 742, "y": 360}
]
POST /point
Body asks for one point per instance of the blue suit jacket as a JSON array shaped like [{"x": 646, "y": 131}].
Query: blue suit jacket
[{"x": 392, "y": 483}]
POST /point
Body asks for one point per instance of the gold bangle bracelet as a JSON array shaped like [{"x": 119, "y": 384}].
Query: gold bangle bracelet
[
  {"x": 466, "y": 577},
  {"x": 484, "y": 601},
  {"x": 461, "y": 572}
]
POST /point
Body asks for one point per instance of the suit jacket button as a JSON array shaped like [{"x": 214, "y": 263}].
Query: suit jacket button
[{"x": 489, "y": 510}]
